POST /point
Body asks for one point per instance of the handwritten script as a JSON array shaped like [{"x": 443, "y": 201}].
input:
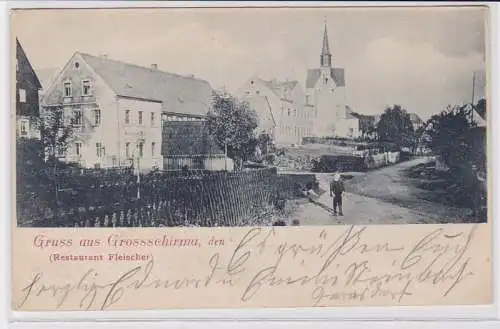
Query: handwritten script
[{"x": 330, "y": 269}]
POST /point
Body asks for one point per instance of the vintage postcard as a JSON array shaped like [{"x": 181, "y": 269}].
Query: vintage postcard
[{"x": 190, "y": 158}]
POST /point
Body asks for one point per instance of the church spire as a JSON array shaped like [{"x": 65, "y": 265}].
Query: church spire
[{"x": 326, "y": 56}]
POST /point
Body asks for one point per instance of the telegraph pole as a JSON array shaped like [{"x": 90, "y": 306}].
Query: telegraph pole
[{"x": 473, "y": 89}]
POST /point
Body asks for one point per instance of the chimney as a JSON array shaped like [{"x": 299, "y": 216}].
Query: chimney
[{"x": 154, "y": 66}]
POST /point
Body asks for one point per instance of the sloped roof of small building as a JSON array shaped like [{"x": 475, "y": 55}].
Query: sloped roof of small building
[
  {"x": 177, "y": 93},
  {"x": 350, "y": 114},
  {"x": 337, "y": 74}
]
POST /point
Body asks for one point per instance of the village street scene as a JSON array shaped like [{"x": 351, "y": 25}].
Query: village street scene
[{"x": 201, "y": 118}]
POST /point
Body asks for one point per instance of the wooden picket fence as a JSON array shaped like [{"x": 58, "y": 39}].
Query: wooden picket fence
[{"x": 199, "y": 198}]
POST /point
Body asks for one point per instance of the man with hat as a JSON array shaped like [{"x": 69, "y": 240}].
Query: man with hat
[{"x": 336, "y": 190}]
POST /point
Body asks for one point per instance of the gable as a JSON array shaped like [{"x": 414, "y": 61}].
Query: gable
[
  {"x": 25, "y": 69},
  {"x": 76, "y": 71},
  {"x": 261, "y": 105}
]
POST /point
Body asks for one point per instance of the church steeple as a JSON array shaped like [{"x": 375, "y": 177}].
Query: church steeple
[{"x": 326, "y": 56}]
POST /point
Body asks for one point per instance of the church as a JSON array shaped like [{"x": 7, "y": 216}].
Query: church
[
  {"x": 289, "y": 112},
  {"x": 325, "y": 88}
]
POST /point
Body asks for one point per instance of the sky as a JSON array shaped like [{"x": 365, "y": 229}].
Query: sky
[{"x": 420, "y": 58}]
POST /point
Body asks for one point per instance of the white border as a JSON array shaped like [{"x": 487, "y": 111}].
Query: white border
[{"x": 462, "y": 317}]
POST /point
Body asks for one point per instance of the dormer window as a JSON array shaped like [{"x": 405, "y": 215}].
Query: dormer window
[
  {"x": 67, "y": 89},
  {"x": 86, "y": 87}
]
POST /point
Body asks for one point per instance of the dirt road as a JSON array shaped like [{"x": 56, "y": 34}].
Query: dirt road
[{"x": 383, "y": 196}]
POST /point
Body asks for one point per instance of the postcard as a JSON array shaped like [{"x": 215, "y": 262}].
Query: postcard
[{"x": 204, "y": 158}]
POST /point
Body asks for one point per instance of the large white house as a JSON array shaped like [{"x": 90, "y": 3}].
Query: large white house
[
  {"x": 282, "y": 108},
  {"x": 116, "y": 109}
]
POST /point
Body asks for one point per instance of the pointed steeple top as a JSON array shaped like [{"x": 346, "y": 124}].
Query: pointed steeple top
[
  {"x": 326, "y": 56},
  {"x": 326, "y": 47}
]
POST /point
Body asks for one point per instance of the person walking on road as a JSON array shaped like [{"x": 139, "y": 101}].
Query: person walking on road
[{"x": 336, "y": 190}]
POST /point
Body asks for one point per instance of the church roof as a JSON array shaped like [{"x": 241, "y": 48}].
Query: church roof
[
  {"x": 177, "y": 93},
  {"x": 326, "y": 47},
  {"x": 337, "y": 74}
]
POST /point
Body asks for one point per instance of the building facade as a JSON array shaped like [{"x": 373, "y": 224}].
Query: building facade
[
  {"x": 117, "y": 110},
  {"x": 282, "y": 107},
  {"x": 27, "y": 100},
  {"x": 325, "y": 87}
]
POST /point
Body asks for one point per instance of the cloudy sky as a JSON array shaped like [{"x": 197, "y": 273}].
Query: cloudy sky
[{"x": 420, "y": 58}]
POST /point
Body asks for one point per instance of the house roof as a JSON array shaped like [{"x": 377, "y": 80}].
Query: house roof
[
  {"x": 337, "y": 74},
  {"x": 47, "y": 76},
  {"x": 350, "y": 114},
  {"x": 177, "y": 93},
  {"x": 278, "y": 86},
  {"x": 21, "y": 53}
]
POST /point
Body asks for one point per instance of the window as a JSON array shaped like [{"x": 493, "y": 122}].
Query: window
[
  {"x": 140, "y": 117},
  {"x": 127, "y": 150},
  {"x": 99, "y": 150},
  {"x": 152, "y": 118},
  {"x": 127, "y": 116},
  {"x": 77, "y": 65},
  {"x": 288, "y": 112},
  {"x": 307, "y": 99},
  {"x": 24, "y": 128},
  {"x": 22, "y": 95},
  {"x": 86, "y": 87},
  {"x": 78, "y": 149},
  {"x": 60, "y": 151},
  {"x": 97, "y": 117},
  {"x": 140, "y": 147},
  {"x": 77, "y": 118},
  {"x": 153, "y": 149},
  {"x": 67, "y": 89}
]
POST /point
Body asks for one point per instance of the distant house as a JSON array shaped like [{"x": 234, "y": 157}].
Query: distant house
[
  {"x": 27, "y": 101},
  {"x": 119, "y": 110},
  {"x": 478, "y": 136},
  {"x": 416, "y": 121},
  {"x": 282, "y": 107}
]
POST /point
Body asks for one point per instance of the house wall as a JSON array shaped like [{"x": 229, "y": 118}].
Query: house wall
[
  {"x": 111, "y": 132},
  {"x": 134, "y": 132},
  {"x": 26, "y": 80},
  {"x": 27, "y": 99},
  {"x": 348, "y": 128},
  {"x": 293, "y": 119}
]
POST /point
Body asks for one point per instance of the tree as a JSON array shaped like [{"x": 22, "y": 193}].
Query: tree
[
  {"x": 448, "y": 136},
  {"x": 395, "y": 126},
  {"x": 55, "y": 133},
  {"x": 232, "y": 124}
]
